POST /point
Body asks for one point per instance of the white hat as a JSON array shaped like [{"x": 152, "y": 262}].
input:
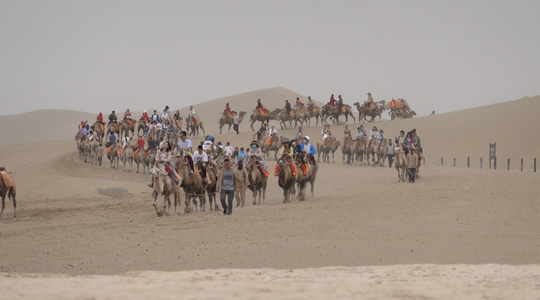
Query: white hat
[
  {"x": 307, "y": 138},
  {"x": 145, "y": 110}
]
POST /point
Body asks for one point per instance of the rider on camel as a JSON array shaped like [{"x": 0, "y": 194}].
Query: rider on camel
[
  {"x": 127, "y": 116},
  {"x": 373, "y": 133},
  {"x": 261, "y": 108},
  {"x": 228, "y": 111},
  {"x": 112, "y": 117},
  {"x": 360, "y": 133},
  {"x": 255, "y": 153},
  {"x": 145, "y": 116},
  {"x": 369, "y": 101},
  {"x": 288, "y": 107},
  {"x": 100, "y": 120},
  {"x": 332, "y": 101},
  {"x": 347, "y": 136},
  {"x": 286, "y": 153},
  {"x": 310, "y": 149},
  {"x": 340, "y": 103},
  {"x": 299, "y": 104},
  {"x": 192, "y": 114}
]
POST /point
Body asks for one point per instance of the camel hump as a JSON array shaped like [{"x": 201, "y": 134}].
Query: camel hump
[{"x": 8, "y": 181}]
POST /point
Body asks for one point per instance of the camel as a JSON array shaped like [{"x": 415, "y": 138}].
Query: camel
[
  {"x": 99, "y": 130},
  {"x": 240, "y": 195},
  {"x": 192, "y": 183},
  {"x": 301, "y": 116},
  {"x": 139, "y": 160},
  {"x": 400, "y": 163},
  {"x": 315, "y": 111},
  {"x": 286, "y": 180},
  {"x": 382, "y": 153},
  {"x": 114, "y": 129},
  {"x": 193, "y": 126},
  {"x": 113, "y": 155},
  {"x": 211, "y": 191},
  {"x": 334, "y": 113},
  {"x": 127, "y": 157},
  {"x": 149, "y": 159},
  {"x": 81, "y": 145},
  {"x": 164, "y": 185},
  {"x": 348, "y": 151},
  {"x": 359, "y": 148},
  {"x": 364, "y": 112},
  {"x": 257, "y": 180},
  {"x": 371, "y": 150},
  {"x": 141, "y": 125},
  {"x": 8, "y": 189},
  {"x": 283, "y": 116},
  {"x": 275, "y": 145},
  {"x": 126, "y": 126},
  {"x": 258, "y": 116},
  {"x": 303, "y": 180},
  {"x": 230, "y": 121},
  {"x": 325, "y": 149},
  {"x": 93, "y": 147}
]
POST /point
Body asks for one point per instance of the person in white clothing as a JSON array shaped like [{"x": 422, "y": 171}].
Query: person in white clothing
[
  {"x": 228, "y": 150},
  {"x": 272, "y": 132},
  {"x": 200, "y": 157}
]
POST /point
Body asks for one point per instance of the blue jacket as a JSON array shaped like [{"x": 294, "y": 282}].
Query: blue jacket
[{"x": 312, "y": 149}]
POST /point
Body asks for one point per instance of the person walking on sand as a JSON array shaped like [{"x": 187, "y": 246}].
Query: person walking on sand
[
  {"x": 412, "y": 162},
  {"x": 227, "y": 184}
]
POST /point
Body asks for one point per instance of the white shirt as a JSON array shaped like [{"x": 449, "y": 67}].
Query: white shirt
[
  {"x": 192, "y": 112},
  {"x": 208, "y": 145},
  {"x": 236, "y": 120},
  {"x": 126, "y": 141},
  {"x": 200, "y": 157},
  {"x": 185, "y": 144},
  {"x": 272, "y": 131},
  {"x": 229, "y": 150}
]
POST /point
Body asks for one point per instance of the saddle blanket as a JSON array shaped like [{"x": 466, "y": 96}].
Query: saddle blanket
[{"x": 8, "y": 181}]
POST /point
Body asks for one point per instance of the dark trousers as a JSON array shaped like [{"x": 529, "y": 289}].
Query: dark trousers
[
  {"x": 235, "y": 127},
  {"x": 190, "y": 160},
  {"x": 412, "y": 174},
  {"x": 227, "y": 207},
  {"x": 99, "y": 160},
  {"x": 390, "y": 159}
]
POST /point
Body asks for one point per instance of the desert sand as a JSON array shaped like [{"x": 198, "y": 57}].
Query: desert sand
[{"x": 457, "y": 232}]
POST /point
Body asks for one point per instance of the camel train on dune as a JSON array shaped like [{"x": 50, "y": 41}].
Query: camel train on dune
[{"x": 124, "y": 149}]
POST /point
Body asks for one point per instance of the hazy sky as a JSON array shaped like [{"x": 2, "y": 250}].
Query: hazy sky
[{"x": 101, "y": 55}]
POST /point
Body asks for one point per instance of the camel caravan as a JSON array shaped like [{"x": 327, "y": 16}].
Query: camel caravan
[{"x": 158, "y": 145}]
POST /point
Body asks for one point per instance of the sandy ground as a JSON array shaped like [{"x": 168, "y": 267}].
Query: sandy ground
[{"x": 455, "y": 233}]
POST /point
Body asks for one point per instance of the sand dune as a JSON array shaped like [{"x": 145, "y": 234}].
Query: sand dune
[{"x": 390, "y": 240}]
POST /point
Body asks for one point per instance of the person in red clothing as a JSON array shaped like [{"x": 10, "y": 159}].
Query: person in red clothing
[
  {"x": 145, "y": 116},
  {"x": 100, "y": 120},
  {"x": 333, "y": 101},
  {"x": 228, "y": 111},
  {"x": 140, "y": 145}
]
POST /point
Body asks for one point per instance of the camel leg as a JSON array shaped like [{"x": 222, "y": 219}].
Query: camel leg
[
  {"x": 3, "y": 205},
  {"x": 154, "y": 195},
  {"x": 254, "y": 195}
]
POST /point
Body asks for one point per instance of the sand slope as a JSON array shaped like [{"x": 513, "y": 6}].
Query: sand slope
[{"x": 360, "y": 218}]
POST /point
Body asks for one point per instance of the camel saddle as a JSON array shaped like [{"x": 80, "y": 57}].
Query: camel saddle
[
  {"x": 343, "y": 109},
  {"x": 399, "y": 104},
  {"x": 291, "y": 113},
  {"x": 6, "y": 178},
  {"x": 373, "y": 106}
]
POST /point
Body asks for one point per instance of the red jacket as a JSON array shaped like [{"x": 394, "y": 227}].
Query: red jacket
[
  {"x": 333, "y": 102},
  {"x": 100, "y": 117},
  {"x": 140, "y": 143}
]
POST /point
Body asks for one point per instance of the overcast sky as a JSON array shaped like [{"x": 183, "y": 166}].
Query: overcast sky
[{"x": 102, "y": 55}]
